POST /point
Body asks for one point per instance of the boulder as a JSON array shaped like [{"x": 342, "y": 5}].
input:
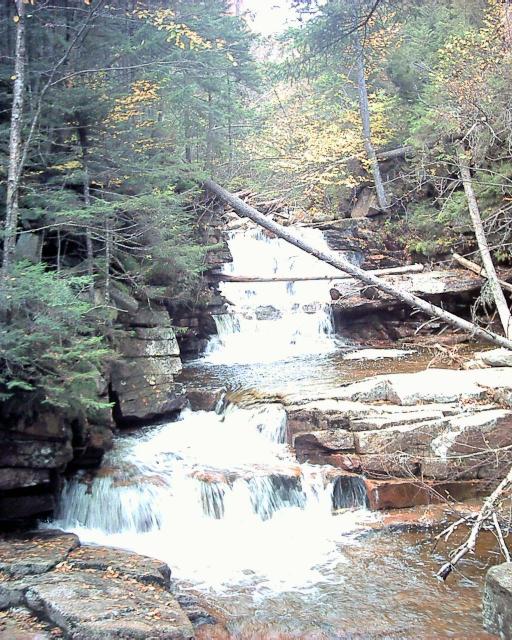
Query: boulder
[
  {"x": 408, "y": 438},
  {"x": 496, "y": 357},
  {"x": 35, "y": 454},
  {"x": 142, "y": 568},
  {"x": 389, "y": 466},
  {"x": 318, "y": 447},
  {"x": 267, "y": 312},
  {"x": 205, "y": 399},
  {"x": 146, "y": 317},
  {"x": 484, "y": 431},
  {"x": 34, "y": 553},
  {"x": 93, "y": 606},
  {"x": 148, "y": 342},
  {"x": 497, "y": 601},
  {"x": 144, "y": 388},
  {"x": 14, "y": 478},
  {"x": 435, "y": 286}
]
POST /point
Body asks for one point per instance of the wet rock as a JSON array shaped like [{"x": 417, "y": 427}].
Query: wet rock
[
  {"x": 196, "y": 613},
  {"x": 318, "y": 447},
  {"x": 405, "y": 493},
  {"x": 267, "y": 312},
  {"x": 205, "y": 399},
  {"x": 145, "y": 388},
  {"x": 415, "y": 438},
  {"x": 35, "y": 454},
  {"x": 91, "y": 606},
  {"x": 42, "y": 426},
  {"x": 13, "y": 478},
  {"x": 98, "y": 439},
  {"x": 120, "y": 562},
  {"x": 34, "y": 553},
  {"x": 26, "y": 507},
  {"x": 497, "y": 601}
]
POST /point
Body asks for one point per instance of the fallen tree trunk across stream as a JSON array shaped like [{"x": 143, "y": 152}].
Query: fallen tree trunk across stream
[
  {"x": 335, "y": 260},
  {"x": 226, "y": 277}
]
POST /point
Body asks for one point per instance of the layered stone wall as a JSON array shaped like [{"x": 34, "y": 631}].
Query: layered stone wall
[{"x": 414, "y": 438}]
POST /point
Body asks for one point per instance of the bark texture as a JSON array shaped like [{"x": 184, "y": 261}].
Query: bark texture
[
  {"x": 11, "y": 209},
  {"x": 492, "y": 276}
]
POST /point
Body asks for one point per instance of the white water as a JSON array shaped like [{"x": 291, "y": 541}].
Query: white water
[
  {"x": 218, "y": 495},
  {"x": 271, "y": 321}
]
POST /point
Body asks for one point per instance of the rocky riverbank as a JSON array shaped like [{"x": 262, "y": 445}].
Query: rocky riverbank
[
  {"x": 414, "y": 438},
  {"x": 51, "y": 587}
]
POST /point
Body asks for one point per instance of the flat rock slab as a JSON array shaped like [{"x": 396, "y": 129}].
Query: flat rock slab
[
  {"x": 125, "y": 563},
  {"x": 35, "y": 553},
  {"x": 89, "y": 605},
  {"x": 497, "y": 601},
  {"x": 432, "y": 386}
]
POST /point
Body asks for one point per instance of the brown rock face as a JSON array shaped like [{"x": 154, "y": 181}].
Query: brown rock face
[
  {"x": 142, "y": 380},
  {"x": 405, "y": 493}
]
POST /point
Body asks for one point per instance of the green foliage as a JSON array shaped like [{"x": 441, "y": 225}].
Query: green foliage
[{"x": 48, "y": 341}]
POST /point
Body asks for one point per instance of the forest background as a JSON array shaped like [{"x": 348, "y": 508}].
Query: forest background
[{"x": 113, "y": 113}]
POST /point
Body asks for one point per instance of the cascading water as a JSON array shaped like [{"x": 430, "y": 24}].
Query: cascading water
[
  {"x": 266, "y": 542},
  {"x": 269, "y": 321},
  {"x": 219, "y": 495},
  {"x": 216, "y": 495}
]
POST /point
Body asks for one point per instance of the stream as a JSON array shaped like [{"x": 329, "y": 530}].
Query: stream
[{"x": 267, "y": 544}]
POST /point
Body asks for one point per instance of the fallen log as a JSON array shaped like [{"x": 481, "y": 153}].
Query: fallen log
[
  {"x": 487, "y": 514},
  {"x": 480, "y": 271},
  {"x": 342, "y": 264},
  {"x": 225, "y": 277},
  {"x": 438, "y": 286}
]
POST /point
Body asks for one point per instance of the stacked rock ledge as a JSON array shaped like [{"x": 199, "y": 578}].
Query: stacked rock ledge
[
  {"x": 89, "y": 593},
  {"x": 414, "y": 438}
]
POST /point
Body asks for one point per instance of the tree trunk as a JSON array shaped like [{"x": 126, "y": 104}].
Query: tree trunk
[
  {"x": 226, "y": 277},
  {"x": 341, "y": 263},
  {"x": 364, "y": 109},
  {"x": 89, "y": 248},
  {"x": 492, "y": 276},
  {"x": 109, "y": 245},
  {"x": 480, "y": 271},
  {"x": 12, "y": 201}
]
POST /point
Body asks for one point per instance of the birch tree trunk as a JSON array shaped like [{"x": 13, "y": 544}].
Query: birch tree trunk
[
  {"x": 12, "y": 201},
  {"x": 342, "y": 264},
  {"x": 492, "y": 276},
  {"x": 364, "y": 109}
]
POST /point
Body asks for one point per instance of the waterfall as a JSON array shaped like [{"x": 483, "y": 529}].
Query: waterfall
[
  {"x": 219, "y": 495},
  {"x": 216, "y": 495},
  {"x": 269, "y": 321}
]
